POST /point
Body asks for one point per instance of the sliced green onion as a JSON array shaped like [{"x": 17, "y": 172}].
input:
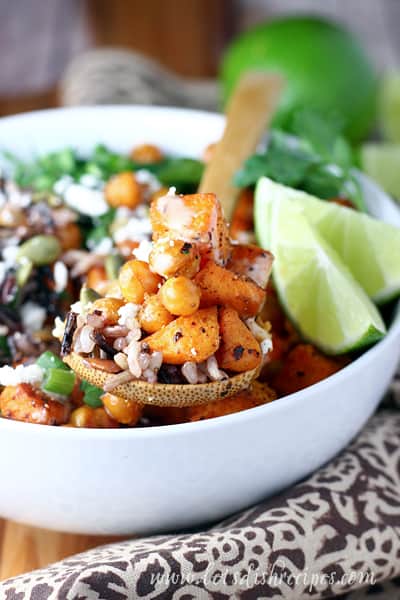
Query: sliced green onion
[
  {"x": 49, "y": 360},
  {"x": 59, "y": 381},
  {"x": 91, "y": 394}
]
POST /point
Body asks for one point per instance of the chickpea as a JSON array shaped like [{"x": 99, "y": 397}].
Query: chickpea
[
  {"x": 136, "y": 279},
  {"x": 69, "y": 236},
  {"x": 85, "y": 416},
  {"x": 123, "y": 190},
  {"x": 208, "y": 152},
  {"x": 81, "y": 416},
  {"x": 170, "y": 258},
  {"x": 147, "y": 154},
  {"x": 122, "y": 410},
  {"x": 153, "y": 315},
  {"x": 109, "y": 308},
  {"x": 95, "y": 278},
  {"x": 112, "y": 290},
  {"x": 180, "y": 296}
]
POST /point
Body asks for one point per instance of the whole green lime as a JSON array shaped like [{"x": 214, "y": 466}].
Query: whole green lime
[{"x": 325, "y": 68}]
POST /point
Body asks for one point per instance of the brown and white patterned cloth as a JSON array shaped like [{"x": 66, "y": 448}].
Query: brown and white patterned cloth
[{"x": 336, "y": 533}]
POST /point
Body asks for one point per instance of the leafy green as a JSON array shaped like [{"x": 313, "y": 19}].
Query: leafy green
[
  {"x": 91, "y": 394},
  {"x": 318, "y": 160},
  {"x": 42, "y": 173},
  {"x": 103, "y": 163},
  {"x": 283, "y": 162},
  {"x": 184, "y": 173}
]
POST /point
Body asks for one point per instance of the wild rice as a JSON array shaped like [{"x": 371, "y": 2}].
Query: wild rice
[
  {"x": 84, "y": 340},
  {"x": 190, "y": 372},
  {"x": 213, "y": 371},
  {"x": 132, "y": 352},
  {"x": 120, "y": 344},
  {"x": 262, "y": 333},
  {"x": 96, "y": 321},
  {"x": 115, "y": 331},
  {"x": 122, "y": 361},
  {"x": 114, "y": 380}
]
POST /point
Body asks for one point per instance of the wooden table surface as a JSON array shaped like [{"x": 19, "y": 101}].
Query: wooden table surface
[{"x": 24, "y": 548}]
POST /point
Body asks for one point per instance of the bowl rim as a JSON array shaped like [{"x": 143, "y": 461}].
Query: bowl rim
[{"x": 198, "y": 427}]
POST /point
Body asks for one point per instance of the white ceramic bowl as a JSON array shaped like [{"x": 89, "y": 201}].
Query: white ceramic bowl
[{"x": 166, "y": 478}]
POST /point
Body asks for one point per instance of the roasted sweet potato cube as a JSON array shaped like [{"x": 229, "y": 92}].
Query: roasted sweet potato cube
[
  {"x": 195, "y": 218},
  {"x": 193, "y": 338},
  {"x": 23, "y": 402},
  {"x": 304, "y": 366},
  {"x": 252, "y": 261},
  {"x": 239, "y": 350},
  {"x": 222, "y": 287}
]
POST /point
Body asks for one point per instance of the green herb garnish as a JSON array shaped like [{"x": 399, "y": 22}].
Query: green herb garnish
[
  {"x": 91, "y": 394},
  {"x": 318, "y": 161}
]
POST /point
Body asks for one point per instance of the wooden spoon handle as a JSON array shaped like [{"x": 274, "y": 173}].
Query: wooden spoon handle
[{"x": 249, "y": 111}]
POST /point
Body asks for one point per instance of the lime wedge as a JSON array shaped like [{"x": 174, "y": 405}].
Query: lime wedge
[
  {"x": 369, "y": 248},
  {"x": 319, "y": 293},
  {"x": 389, "y": 106},
  {"x": 382, "y": 163}
]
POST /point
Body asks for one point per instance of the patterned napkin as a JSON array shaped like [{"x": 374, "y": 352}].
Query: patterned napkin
[{"x": 337, "y": 531}]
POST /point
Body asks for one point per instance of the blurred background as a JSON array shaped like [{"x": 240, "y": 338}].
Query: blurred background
[{"x": 39, "y": 39}]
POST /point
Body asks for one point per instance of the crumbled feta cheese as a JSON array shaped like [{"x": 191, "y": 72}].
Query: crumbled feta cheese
[
  {"x": 135, "y": 229},
  {"x": 143, "y": 250},
  {"x": 33, "y": 316},
  {"x": 141, "y": 212},
  {"x": 3, "y": 330},
  {"x": 171, "y": 191},
  {"x": 91, "y": 181},
  {"x": 60, "y": 276},
  {"x": 10, "y": 254},
  {"x": 128, "y": 314},
  {"x": 16, "y": 196},
  {"x": 62, "y": 184},
  {"x": 85, "y": 200},
  {"x": 145, "y": 177},
  {"x": 193, "y": 351},
  {"x": 266, "y": 345},
  {"x": 21, "y": 374},
  {"x": 59, "y": 328},
  {"x": 81, "y": 309},
  {"x": 103, "y": 247}
]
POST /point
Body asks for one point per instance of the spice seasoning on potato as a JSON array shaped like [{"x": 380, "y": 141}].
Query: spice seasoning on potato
[
  {"x": 221, "y": 287},
  {"x": 239, "y": 350}
]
